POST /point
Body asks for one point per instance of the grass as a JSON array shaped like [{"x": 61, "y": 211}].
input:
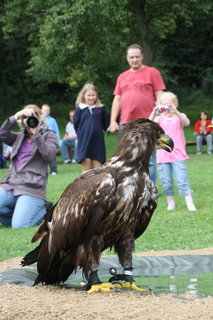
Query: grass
[{"x": 179, "y": 229}]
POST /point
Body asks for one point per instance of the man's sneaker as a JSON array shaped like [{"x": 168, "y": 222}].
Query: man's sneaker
[
  {"x": 67, "y": 161},
  {"x": 53, "y": 173},
  {"x": 74, "y": 161}
]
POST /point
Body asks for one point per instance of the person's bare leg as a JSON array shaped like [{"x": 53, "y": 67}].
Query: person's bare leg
[
  {"x": 86, "y": 164},
  {"x": 95, "y": 164}
]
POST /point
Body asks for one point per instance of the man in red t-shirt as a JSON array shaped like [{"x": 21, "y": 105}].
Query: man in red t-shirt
[{"x": 136, "y": 91}]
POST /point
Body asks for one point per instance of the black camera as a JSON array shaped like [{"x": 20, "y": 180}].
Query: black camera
[{"x": 31, "y": 122}]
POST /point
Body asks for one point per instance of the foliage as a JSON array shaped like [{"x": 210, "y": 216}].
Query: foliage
[
  {"x": 63, "y": 36},
  {"x": 51, "y": 48},
  {"x": 189, "y": 57},
  {"x": 207, "y": 84}
]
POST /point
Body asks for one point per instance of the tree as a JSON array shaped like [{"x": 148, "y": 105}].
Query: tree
[
  {"x": 158, "y": 20},
  {"x": 76, "y": 41},
  {"x": 189, "y": 57}
]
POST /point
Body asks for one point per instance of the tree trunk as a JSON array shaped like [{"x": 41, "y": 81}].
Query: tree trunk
[
  {"x": 148, "y": 54},
  {"x": 139, "y": 13}
]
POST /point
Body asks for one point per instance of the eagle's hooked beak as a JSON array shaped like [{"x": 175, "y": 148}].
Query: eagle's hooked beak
[{"x": 166, "y": 143}]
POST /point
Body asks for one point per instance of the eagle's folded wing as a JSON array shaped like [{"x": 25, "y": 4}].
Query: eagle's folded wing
[{"x": 80, "y": 209}]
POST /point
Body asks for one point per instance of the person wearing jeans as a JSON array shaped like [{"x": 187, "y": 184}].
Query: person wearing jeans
[
  {"x": 23, "y": 190},
  {"x": 172, "y": 122},
  {"x": 203, "y": 129},
  {"x": 65, "y": 145},
  {"x": 20, "y": 211},
  {"x": 180, "y": 172},
  {"x": 69, "y": 141},
  {"x": 52, "y": 124}
]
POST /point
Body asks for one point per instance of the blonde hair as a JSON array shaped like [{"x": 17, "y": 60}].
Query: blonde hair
[
  {"x": 81, "y": 98},
  {"x": 168, "y": 95},
  {"x": 37, "y": 112}
]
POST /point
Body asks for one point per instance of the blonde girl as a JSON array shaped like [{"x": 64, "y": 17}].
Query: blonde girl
[
  {"x": 172, "y": 121},
  {"x": 90, "y": 119}
]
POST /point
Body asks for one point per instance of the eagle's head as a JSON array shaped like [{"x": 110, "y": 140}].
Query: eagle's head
[{"x": 140, "y": 138}]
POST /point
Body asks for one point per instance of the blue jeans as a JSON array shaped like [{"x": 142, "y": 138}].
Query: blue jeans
[
  {"x": 53, "y": 166},
  {"x": 179, "y": 169},
  {"x": 64, "y": 147},
  {"x": 152, "y": 162},
  {"x": 20, "y": 211},
  {"x": 199, "y": 141},
  {"x": 152, "y": 167}
]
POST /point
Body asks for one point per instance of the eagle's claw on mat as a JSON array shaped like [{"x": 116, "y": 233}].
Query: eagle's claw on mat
[
  {"x": 109, "y": 287},
  {"x": 103, "y": 287},
  {"x": 132, "y": 285},
  {"x": 127, "y": 284}
]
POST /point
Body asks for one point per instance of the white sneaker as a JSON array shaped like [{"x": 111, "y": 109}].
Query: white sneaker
[
  {"x": 67, "y": 161},
  {"x": 53, "y": 173},
  {"x": 74, "y": 161},
  {"x": 190, "y": 206},
  {"x": 171, "y": 205}
]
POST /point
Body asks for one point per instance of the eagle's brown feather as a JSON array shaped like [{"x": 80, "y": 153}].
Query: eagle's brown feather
[{"x": 103, "y": 208}]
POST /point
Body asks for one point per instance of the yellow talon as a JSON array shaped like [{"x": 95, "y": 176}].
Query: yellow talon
[
  {"x": 132, "y": 286},
  {"x": 101, "y": 287},
  {"x": 108, "y": 287},
  {"x": 117, "y": 285}
]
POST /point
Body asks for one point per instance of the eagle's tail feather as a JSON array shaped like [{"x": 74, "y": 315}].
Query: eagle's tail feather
[
  {"x": 54, "y": 268},
  {"x": 31, "y": 257},
  {"x": 47, "y": 264}
]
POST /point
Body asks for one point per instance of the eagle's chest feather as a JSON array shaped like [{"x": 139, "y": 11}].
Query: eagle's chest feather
[{"x": 132, "y": 196}]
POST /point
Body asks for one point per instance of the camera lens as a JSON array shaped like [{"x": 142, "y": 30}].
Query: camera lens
[{"x": 32, "y": 122}]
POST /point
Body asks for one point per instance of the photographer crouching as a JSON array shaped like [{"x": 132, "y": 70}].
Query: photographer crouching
[{"x": 23, "y": 189}]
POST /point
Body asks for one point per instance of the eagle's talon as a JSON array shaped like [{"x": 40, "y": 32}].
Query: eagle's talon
[
  {"x": 101, "y": 287},
  {"x": 116, "y": 284},
  {"x": 132, "y": 285}
]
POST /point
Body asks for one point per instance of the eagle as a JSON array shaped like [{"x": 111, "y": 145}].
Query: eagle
[{"x": 106, "y": 207}]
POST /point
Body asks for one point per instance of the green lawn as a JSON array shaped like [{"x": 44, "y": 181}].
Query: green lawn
[{"x": 174, "y": 230}]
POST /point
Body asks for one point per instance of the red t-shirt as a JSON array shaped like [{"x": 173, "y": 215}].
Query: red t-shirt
[{"x": 137, "y": 93}]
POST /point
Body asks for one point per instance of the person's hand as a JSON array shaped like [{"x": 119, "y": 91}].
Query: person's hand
[
  {"x": 156, "y": 111},
  {"x": 113, "y": 126},
  {"x": 27, "y": 112},
  {"x": 173, "y": 108}
]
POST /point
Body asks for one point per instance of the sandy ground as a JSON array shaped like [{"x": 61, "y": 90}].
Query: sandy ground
[{"x": 52, "y": 302}]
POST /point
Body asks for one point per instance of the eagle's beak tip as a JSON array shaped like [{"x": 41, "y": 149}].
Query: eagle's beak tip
[{"x": 166, "y": 143}]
